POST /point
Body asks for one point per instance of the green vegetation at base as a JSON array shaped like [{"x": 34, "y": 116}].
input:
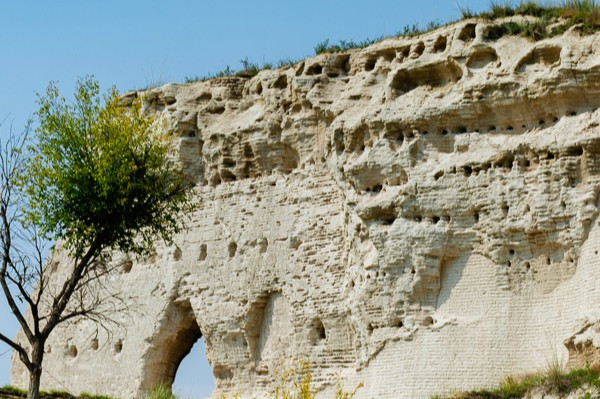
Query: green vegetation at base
[
  {"x": 8, "y": 389},
  {"x": 161, "y": 391},
  {"x": 85, "y": 395},
  {"x": 555, "y": 380},
  {"x": 552, "y": 19},
  {"x": 52, "y": 394}
]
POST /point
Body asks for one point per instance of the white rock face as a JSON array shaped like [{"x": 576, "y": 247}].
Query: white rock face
[{"x": 420, "y": 215}]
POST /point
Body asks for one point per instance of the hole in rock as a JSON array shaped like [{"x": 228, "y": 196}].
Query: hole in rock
[
  {"x": 177, "y": 355},
  {"x": 315, "y": 69},
  {"x": 232, "y": 249},
  {"x": 317, "y": 332},
  {"x": 95, "y": 344},
  {"x": 194, "y": 378},
  {"x": 576, "y": 151},
  {"x": 440, "y": 44},
  {"x": 118, "y": 346},
  {"x": 281, "y": 82},
  {"x": 493, "y": 32},
  {"x": 389, "y": 221},
  {"x": 370, "y": 64},
  {"x": 177, "y": 253},
  {"x": 419, "y": 48},
  {"x": 440, "y": 74},
  {"x": 481, "y": 58},
  {"x": 127, "y": 265},
  {"x": 545, "y": 56},
  {"x": 263, "y": 244},
  {"x": 467, "y": 33},
  {"x": 72, "y": 351},
  {"x": 203, "y": 254}
]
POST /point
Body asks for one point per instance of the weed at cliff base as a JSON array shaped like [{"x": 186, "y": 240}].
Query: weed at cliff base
[
  {"x": 14, "y": 390},
  {"x": 161, "y": 391},
  {"x": 86, "y": 395},
  {"x": 554, "y": 380}
]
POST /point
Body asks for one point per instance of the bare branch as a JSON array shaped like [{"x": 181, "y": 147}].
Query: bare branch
[{"x": 20, "y": 350}]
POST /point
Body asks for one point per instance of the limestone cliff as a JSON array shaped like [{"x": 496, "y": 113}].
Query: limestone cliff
[{"x": 420, "y": 215}]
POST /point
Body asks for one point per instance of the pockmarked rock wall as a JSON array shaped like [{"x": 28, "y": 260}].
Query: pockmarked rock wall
[{"x": 420, "y": 215}]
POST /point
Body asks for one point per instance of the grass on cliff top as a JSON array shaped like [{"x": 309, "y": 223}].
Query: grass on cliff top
[
  {"x": 553, "y": 18},
  {"x": 555, "y": 380}
]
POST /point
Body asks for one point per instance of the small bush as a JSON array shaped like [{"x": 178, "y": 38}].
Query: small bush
[
  {"x": 530, "y": 8},
  {"x": 466, "y": 12},
  {"x": 161, "y": 391},
  {"x": 499, "y": 10}
]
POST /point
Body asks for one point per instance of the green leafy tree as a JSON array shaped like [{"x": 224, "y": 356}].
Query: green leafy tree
[{"x": 95, "y": 177}]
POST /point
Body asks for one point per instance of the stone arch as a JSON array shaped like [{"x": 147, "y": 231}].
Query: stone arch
[{"x": 178, "y": 332}]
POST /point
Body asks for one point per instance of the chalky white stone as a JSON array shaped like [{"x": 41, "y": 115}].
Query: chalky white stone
[{"x": 420, "y": 215}]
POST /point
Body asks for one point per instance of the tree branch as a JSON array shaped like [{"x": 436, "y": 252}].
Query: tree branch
[{"x": 20, "y": 350}]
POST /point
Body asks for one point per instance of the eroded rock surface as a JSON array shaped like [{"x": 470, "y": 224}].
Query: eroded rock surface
[{"x": 420, "y": 215}]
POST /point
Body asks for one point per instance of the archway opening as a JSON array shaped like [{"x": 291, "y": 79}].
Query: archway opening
[
  {"x": 194, "y": 377},
  {"x": 177, "y": 356}
]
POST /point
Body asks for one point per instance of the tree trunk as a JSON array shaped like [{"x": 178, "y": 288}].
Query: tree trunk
[
  {"x": 34, "y": 383},
  {"x": 35, "y": 373}
]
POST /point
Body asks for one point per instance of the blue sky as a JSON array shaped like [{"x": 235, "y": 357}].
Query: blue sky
[{"x": 133, "y": 43}]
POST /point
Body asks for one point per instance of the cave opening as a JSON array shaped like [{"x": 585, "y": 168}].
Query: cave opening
[
  {"x": 177, "y": 358},
  {"x": 194, "y": 376}
]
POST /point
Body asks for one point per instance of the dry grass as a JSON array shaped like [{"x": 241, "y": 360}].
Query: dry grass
[{"x": 554, "y": 380}]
